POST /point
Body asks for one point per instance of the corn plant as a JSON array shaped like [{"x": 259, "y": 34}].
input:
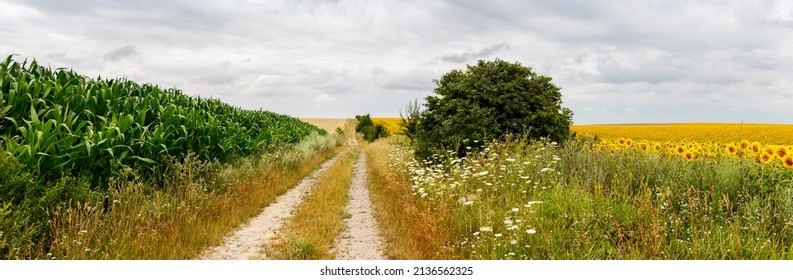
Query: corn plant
[{"x": 60, "y": 123}]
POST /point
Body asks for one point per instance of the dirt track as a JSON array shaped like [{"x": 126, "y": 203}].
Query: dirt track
[{"x": 246, "y": 241}]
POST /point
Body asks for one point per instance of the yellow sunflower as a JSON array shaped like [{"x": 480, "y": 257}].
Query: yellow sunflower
[
  {"x": 766, "y": 158},
  {"x": 781, "y": 151},
  {"x": 731, "y": 149},
  {"x": 744, "y": 145},
  {"x": 769, "y": 150},
  {"x": 787, "y": 162},
  {"x": 756, "y": 147}
]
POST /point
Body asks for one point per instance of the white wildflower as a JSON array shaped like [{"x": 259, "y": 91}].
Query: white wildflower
[
  {"x": 530, "y": 203},
  {"x": 485, "y": 229},
  {"x": 531, "y": 231}
]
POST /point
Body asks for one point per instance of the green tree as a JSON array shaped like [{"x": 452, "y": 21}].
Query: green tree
[
  {"x": 409, "y": 122},
  {"x": 369, "y": 130},
  {"x": 487, "y": 101}
]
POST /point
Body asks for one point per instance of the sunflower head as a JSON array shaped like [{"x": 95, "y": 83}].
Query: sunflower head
[
  {"x": 756, "y": 147},
  {"x": 657, "y": 147},
  {"x": 680, "y": 149},
  {"x": 743, "y": 144},
  {"x": 781, "y": 151},
  {"x": 766, "y": 158},
  {"x": 689, "y": 155},
  {"x": 787, "y": 162},
  {"x": 769, "y": 150},
  {"x": 731, "y": 149}
]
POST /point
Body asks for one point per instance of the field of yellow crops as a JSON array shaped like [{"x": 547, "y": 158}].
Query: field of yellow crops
[
  {"x": 391, "y": 124},
  {"x": 700, "y": 132}
]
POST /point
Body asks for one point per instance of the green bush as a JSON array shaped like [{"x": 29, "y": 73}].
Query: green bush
[
  {"x": 491, "y": 100},
  {"x": 370, "y": 130}
]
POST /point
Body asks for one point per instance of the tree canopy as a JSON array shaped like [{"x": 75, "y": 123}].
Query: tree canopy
[{"x": 490, "y": 100}]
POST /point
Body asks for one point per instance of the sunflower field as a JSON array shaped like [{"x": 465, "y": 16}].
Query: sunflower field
[{"x": 772, "y": 155}]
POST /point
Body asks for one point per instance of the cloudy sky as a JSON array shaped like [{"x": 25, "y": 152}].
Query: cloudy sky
[{"x": 616, "y": 61}]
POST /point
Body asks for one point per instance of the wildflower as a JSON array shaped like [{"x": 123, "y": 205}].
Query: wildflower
[
  {"x": 531, "y": 231},
  {"x": 515, "y": 209},
  {"x": 485, "y": 229},
  {"x": 530, "y": 203},
  {"x": 546, "y": 169},
  {"x": 83, "y": 232},
  {"x": 483, "y": 173},
  {"x": 498, "y": 235},
  {"x": 469, "y": 203},
  {"x": 513, "y": 242},
  {"x": 510, "y": 159}
]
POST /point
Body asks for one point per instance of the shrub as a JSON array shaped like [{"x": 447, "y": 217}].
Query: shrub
[{"x": 487, "y": 101}]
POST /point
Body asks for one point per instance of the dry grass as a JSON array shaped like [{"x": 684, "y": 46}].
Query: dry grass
[
  {"x": 311, "y": 231},
  {"x": 415, "y": 231},
  {"x": 163, "y": 224},
  {"x": 700, "y": 132},
  {"x": 328, "y": 124}
]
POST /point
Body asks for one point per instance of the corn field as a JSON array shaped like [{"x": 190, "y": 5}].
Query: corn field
[{"x": 59, "y": 123}]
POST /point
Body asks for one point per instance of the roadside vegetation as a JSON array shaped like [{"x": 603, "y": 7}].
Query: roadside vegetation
[
  {"x": 481, "y": 190},
  {"x": 413, "y": 230},
  {"x": 90, "y": 167},
  {"x": 312, "y": 230}
]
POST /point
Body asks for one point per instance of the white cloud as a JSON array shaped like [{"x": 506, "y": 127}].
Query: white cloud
[
  {"x": 669, "y": 60},
  {"x": 323, "y": 99}
]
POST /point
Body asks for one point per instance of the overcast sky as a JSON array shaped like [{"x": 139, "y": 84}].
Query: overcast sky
[{"x": 616, "y": 61}]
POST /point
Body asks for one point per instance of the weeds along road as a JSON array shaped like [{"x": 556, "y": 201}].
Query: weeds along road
[
  {"x": 359, "y": 240},
  {"x": 245, "y": 242}
]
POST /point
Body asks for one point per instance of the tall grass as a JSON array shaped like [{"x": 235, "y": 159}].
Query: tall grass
[
  {"x": 534, "y": 200},
  {"x": 71, "y": 142},
  {"x": 142, "y": 222},
  {"x": 311, "y": 231},
  {"x": 413, "y": 229}
]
